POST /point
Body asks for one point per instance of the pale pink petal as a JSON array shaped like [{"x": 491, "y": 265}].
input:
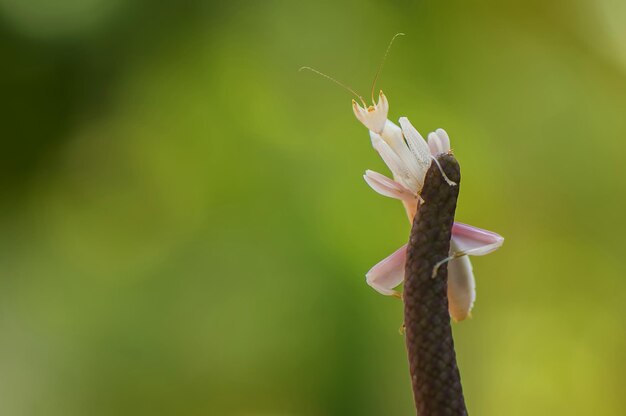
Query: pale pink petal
[
  {"x": 475, "y": 241},
  {"x": 388, "y": 187},
  {"x": 461, "y": 285},
  {"x": 388, "y": 273}
]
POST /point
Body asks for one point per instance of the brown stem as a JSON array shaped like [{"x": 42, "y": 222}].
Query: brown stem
[{"x": 434, "y": 373}]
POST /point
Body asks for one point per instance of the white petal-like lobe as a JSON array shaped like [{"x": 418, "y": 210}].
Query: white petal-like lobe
[
  {"x": 445, "y": 140},
  {"x": 416, "y": 143},
  {"x": 434, "y": 144},
  {"x": 392, "y": 135},
  {"x": 475, "y": 241},
  {"x": 438, "y": 142},
  {"x": 393, "y": 162},
  {"x": 461, "y": 285},
  {"x": 388, "y": 273}
]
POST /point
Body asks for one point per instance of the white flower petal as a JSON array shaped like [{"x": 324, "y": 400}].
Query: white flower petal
[{"x": 388, "y": 273}]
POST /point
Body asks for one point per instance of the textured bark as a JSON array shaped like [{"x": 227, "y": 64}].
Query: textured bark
[{"x": 434, "y": 373}]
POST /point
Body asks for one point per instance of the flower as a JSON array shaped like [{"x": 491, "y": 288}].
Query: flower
[{"x": 409, "y": 156}]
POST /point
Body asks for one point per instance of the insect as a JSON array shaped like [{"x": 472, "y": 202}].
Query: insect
[{"x": 409, "y": 156}]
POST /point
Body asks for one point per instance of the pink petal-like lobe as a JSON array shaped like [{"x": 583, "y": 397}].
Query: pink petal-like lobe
[
  {"x": 388, "y": 273},
  {"x": 388, "y": 187},
  {"x": 475, "y": 241}
]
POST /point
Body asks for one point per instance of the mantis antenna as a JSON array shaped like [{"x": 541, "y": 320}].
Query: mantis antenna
[
  {"x": 380, "y": 67},
  {"x": 344, "y": 86}
]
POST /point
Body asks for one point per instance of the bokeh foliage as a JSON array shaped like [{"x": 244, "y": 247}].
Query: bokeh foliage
[{"x": 184, "y": 228}]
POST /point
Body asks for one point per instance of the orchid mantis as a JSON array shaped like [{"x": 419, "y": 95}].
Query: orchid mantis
[{"x": 409, "y": 156}]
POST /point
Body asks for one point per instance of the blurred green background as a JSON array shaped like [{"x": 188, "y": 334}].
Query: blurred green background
[{"x": 184, "y": 229}]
